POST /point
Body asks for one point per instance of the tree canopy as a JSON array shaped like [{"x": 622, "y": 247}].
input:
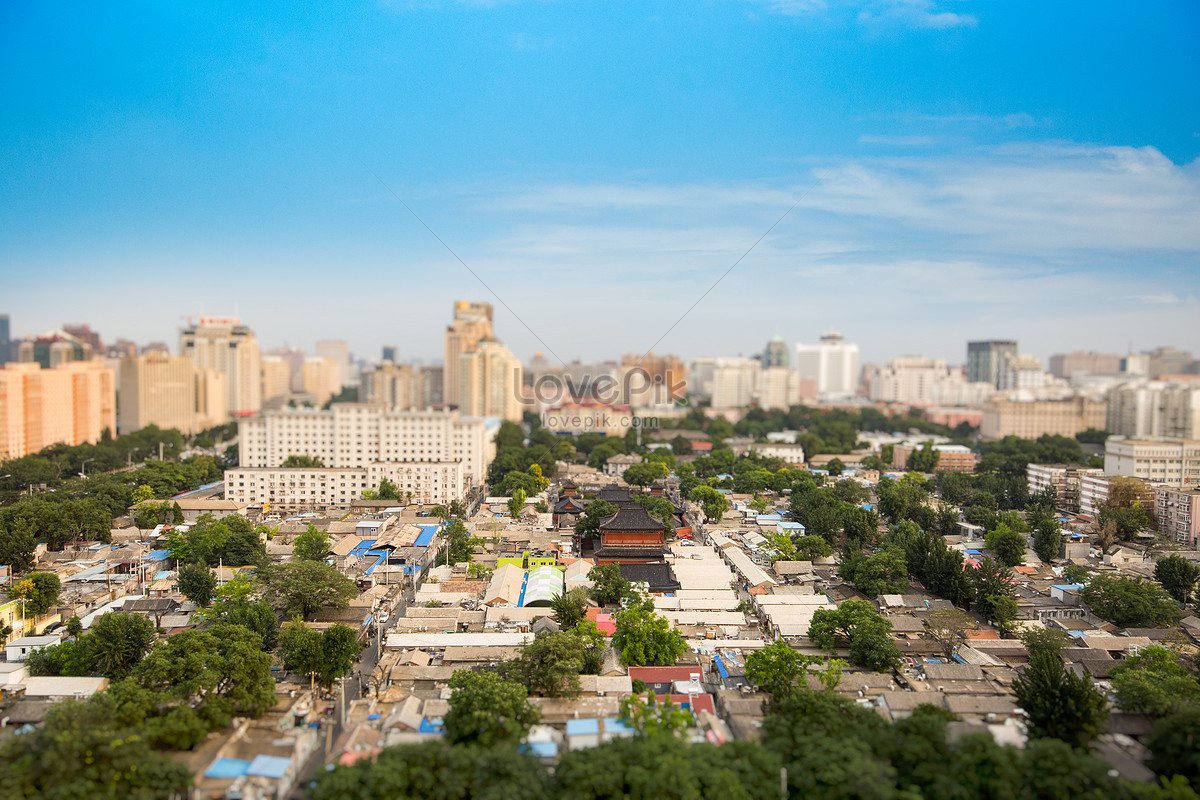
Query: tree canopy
[{"x": 302, "y": 588}]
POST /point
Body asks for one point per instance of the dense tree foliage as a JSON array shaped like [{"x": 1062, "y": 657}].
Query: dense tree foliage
[
  {"x": 325, "y": 655},
  {"x": 1130, "y": 602},
  {"x": 302, "y": 588},
  {"x": 596, "y": 511},
  {"x": 1059, "y": 704},
  {"x": 608, "y": 588},
  {"x": 198, "y": 583},
  {"x": 39, "y": 590},
  {"x": 858, "y": 625},
  {"x": 312, "y": 545},
  {"x": 300, "y": 461},
  {"x": 570, "y": 607},
  {"x": 116, "y": 643},
  {"x": 551, "y": 664},
  {"x": 1154, "y": 681},
  {"x": 232, "y": 541},
  {"x": 643, "y": 637},
  {"x": 1178, "y": 577},
  {"x": 487, "y": 710}
]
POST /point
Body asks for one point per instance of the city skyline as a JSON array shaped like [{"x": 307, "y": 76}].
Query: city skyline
[{"x": 601, "y": 164}]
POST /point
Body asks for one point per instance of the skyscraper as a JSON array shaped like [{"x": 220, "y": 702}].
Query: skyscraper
[
  {"x": 832, "y": 364},
  {"x": 472, "y": 323},
  {"x": 5, "y": 341},
  {"x": 70, "y": 404},
  {"x": 490, "y": 378},
  {"x": 339, "y": 352},
  {"x": 229, "y": 348},
  {"x": 776, "y": 354},
  {"x": 170, "y": 392},
  {"x": 985, "y": 360}
]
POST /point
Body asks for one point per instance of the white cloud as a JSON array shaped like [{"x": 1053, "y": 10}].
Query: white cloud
[
  {"x": 873, "y": 13},
  {"x": 897, "y": 141}
]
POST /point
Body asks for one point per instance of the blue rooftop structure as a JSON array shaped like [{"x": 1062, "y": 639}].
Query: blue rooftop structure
[
  {"x": 432, "y": 726},
  {"x": 790, "y": 526},
  {"x": 158, "y": 555},
  {"x": 427, "y": 534},
  {"x": 269, "y": 766},
  {"x": 582, "y": 727},
  {"x": 720, "y": 665},
  {"x": 1066, "y": 586},
  {"x": 227, "y": 768},
  {"x": 382, "y": 556},
  {"x": 767, "y": 519},
  {"x": 362, "y": 547},
  {"x": 614, "y": 725},
  {"x": 539, "y": 749},
  {"x": 203, "y": 488}
]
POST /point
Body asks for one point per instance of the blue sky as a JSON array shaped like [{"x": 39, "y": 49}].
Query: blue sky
[{"x": 963, "y": 169}]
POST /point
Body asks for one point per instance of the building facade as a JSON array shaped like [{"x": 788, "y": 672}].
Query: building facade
[
  {"x": 832, "y": 365},
  {"x": 472, "y": 323},
  {"x": 1171, "y": 462},
  {"x": 1064, "y": 365},
  {"x": 1029, "y": 419},
  {"x": 1178, "y": 514},
  {"x": 71, "y": 404},
  {"x": 490, "y": 382},
  {"x": 1168, "y": 409},
  {"x": 308, "y": 489},
  {"x": 985, "y": 360},
  {"x": 170, "y": 392},
  {"x": 1065, "y": 479},
  {"x": 225, "y": 346}
]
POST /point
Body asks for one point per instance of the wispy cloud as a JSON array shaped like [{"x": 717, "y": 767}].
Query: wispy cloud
[
  {"x": 897, "y": 141},
  {"x": 874, "y": 13}
]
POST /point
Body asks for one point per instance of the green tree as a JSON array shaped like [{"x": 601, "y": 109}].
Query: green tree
[
  {"x": 39, "y": 590},
  {"x": 570, "y": 607},
  {"x": 487, "y": 710},
  {"x": 991, "y": 582},
  {"x": 1178, "y": 576},
  {"x": 780, "y": 670},
  {"x": 651, "y": 718},
  {"x": 198, "y": 583},
  {"x": 643, "y": 637},
  {"x": 326, "y": 655},
  {"x": 924, "y": 459},
  {"x": 609, "y": 588},
  {"x": 1175, "y": 745},
  {"x": 459, "y": 543},
  {"x": 305, "y": 587},
  {"x": 645, "y": 473},
  {"x": 885, "y": 572},
  {"x": 312, "y": 545},
  {"x": 75, "y": 627},
  {"x": 550, "y": 665},
  {"x": 1044, "y": 640},
  {"x": 219, "y": 673},
  {"x": 1130, "y": 602},
  {"x": 809, "y": 548},
  {"x": 516, "y": 503},
  {"x": 1059, "y": 703},
  {"x": 1153, "y": 682},
  {"x": 596, "y": 511},
  {"x": 858, "y": 624},
  {"x": 713, "y": 503},
  {"x": 518, "y": 480},
  {"x": 300, "y": 461},
  {"x": 143, "y": 493},
  {"x": 117, "y": 643},
  {"x": 1009, "y": 546},
  {"x": 1047, "y": 541},
  {"x": 437, "y": 770}
]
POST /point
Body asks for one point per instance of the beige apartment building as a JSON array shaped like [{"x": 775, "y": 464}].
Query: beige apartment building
[
  {"x": 71, "y": 404},
  {"x": 490, "y": 379},
  {"x": 1029, "y": 419},
  {"x": 322, "y": 378},
  {"x": 229, "y": 348},
  {"x": 170, "y": 392},
  {"x": 1178, "y": 514},
  {"x": 307, "y": 489},
  {"x": 1171, "y": 462},
  {"x": 276, "y": 377},
  {"x": 472, "y": 324},
  {"x": 391, "y": 386}
]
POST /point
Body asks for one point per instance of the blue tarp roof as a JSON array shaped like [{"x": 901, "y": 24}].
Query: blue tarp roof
[
  {"x": 162, "y": 574},
  {"x": 427, "y": 534},
  {"x": 158, "y": 555},
  {"x": 1066, "y": 585},
  {"x": 362, "y": 547},
  {"x": 582, "y": 727},
  {"x": 614, "y": 725},
  {"x": 975, "y": 552},
  {"x": 539, "y": 749},
  {"x": 790, "y": 526},
  {"x": 370, "y": 618},
  {"x": 720, "y": 665},
  {"x": 767, "y": 518},
  {"x": 432, "y": 726},
  {"x": 269, "y": 766},
  {"x": 227, "y": 768},
  {"x": 382, "y": 557}
]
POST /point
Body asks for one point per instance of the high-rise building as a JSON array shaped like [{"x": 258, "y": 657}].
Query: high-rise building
[
  {"x": 778, "y": 387},
  {"x": 338, "y": 352},
  {"x": 472, "y": 323},
  {"x": 84, "y": 333},
  {"x": 735, "y": 382},
  {"x": 389, "y": 353},
  {"x": 391, "y": 386},
  {"x": 832, "y": 364},
  {"x": 71, "y": 404},
  {"x": 229, "y": 348},
  {"x": 322, "y": 378},
  {"x": 276, "y": 377},
  {"x": 1031, "y": 418},
  {"x": 53, "y": 348},
  {"x": 776, "y": 353},
  {"x": 5, "y": 340},
  {"x": 667, "y": 372},
  {"x": 1021, "y": 372},
  {"x": 170, "y": 392},
  {"x": 1155, "y": 408},
  {"x": 986, "y": 359},
  {"x": 490, "y": 382},
  {"x": 1064, "y": 365},
  {"x": 430, "y": 380},
  {"x": 1169, "y": 361},
  {"x": 703, "y": 372}
]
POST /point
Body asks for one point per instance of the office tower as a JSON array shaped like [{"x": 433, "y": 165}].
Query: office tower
[
  {"x": 1155, "y": 408},
  {"x": 338, "y": 352},
  {"x": 986, "y": 359},
  {"x": 170, "y": 392},
  {"x": 703, "y": 373},
  {"x": 5, "y": 340},
  {"x": 832, "y": 365},
  {"x": 391, "y": 386},
  {"x": 71, "y": 404},
  {"x": 1064, "y": 365},
  {"x": 53, "y": 348},
  {"x": 735, "y": 382},
  {"x": 229, "y": 348},
  {"x": 776, "y": 353},
  {"x": 430, "y": 381},
  {"x": 389, "y": 353},
  {"x": 1021, "y": 372},
  {"x": 490, "y": 382},
  {"x": 322, "y": 378},
  {"x": 1169, "y": 361},
  {"x": 667, "y": 372},
  {"x": 276, "y": 377},
  {"x": 84, "y": 333},
  {"x": 472, "y": 323}
]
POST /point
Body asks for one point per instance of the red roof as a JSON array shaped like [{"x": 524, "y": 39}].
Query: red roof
[
  {"x": 604, "y": 622},
  {"x": 704, "y": 702}
]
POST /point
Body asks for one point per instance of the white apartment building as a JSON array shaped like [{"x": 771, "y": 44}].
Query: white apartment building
[
  {"x": 832, "y": 364},
  {"x": 490, "y": 379},
  {"x": 1067, "y": 482},
  {"x": 307, "y": 489},
  {"x": 1173, "y": 462},
  {"x": 1021, "y": 372},
  {"x": 788, "y": 453},
  {"x": 918, "y": 381},
  {"x": 1169, "y": 409},
  {"x": 359, "y": 435},
  {"x": 735, "y": 382},
  {"x": 778, "y": 387}
]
